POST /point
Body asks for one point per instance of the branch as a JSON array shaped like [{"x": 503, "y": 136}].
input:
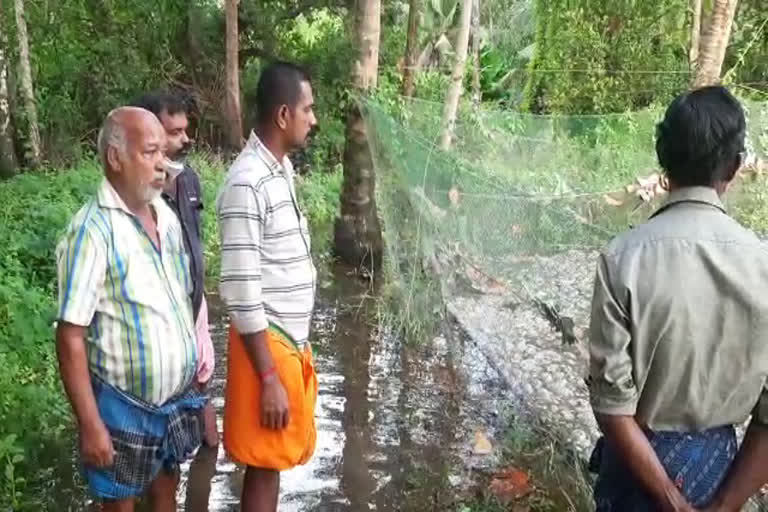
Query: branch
[{"x": 246, "y": 53}]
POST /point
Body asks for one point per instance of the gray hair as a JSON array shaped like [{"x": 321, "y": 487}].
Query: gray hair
[{"x": 112, "y": 133}]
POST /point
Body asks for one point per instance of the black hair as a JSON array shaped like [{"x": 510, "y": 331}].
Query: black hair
[
  {"x": 279, "y": 84},
  {"x": 158, "y": 102},
  {"x": 701, "y": 137}
]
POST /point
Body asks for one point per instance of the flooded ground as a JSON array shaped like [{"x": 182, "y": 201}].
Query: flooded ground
[{"x": 396, "y": 424}]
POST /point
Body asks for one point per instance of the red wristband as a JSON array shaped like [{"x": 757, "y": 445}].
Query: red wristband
[{"x": 267, "y": 373}]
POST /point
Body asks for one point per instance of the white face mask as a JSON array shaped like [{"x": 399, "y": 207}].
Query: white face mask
[{"x": 173, "y": 168}]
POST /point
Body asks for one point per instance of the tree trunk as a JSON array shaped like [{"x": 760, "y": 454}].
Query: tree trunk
[
  {"x": 234, "y": 118},
  {"x": 693, "y": 56},
  {"x": 457, "y": 77},
  {"x": 27, "y": 91},
  {"x": 411, "y": 47},
  {"x": 477, "y": 93},
  {"x": 714, "y": 42},
  {"x": 357, "y": 234},
  {"x": 8, "y": 162}
]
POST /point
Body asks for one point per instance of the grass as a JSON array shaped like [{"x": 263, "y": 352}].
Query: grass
[{"x": 559, "y": 479}]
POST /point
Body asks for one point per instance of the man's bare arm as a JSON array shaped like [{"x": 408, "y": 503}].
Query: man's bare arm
[
  {"x": 96, "y": 445},
  {"x": 629, "y": 441},
  {"x": 275, "y": 413},
  {"x": 748, "y": 473}
]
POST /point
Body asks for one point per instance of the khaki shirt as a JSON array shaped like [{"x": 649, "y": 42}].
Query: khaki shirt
[{"x": 679, "y": 327}]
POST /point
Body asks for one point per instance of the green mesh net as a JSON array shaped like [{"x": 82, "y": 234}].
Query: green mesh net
[{"x": 517, "y": 187}]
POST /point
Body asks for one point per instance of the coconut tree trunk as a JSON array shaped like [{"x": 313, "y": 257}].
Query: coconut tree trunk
[
  {"x": 27, "y": 90},
  {"x": 234, "y": 118},
  {"x": 457, "y": 77},
  {"x": 693, "y": 55},
  {"x": 411, "y": 47},
  {"x": 357, "y": 234},
  {"x": 714, "y": 42}
]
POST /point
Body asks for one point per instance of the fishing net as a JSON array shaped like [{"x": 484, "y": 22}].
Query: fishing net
[{"x": 515, "y": 190}]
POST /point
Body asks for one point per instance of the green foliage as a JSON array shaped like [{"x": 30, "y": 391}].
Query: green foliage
[
  {"x": 746, "y": 62},
  {"x": 599, "y": 57},
  {"x": 319, "y": 194},
  {"x": 33, "y": 414},
  {"x": 89, "y": 57}
]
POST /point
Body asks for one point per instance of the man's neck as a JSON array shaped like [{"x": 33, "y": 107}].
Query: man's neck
[
  {"x": 272, "y": 142},
  {"x": 721, "y": 187}
]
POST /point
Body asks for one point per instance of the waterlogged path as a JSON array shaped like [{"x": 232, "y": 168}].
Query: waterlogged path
[{"x": 396, "y": 424}]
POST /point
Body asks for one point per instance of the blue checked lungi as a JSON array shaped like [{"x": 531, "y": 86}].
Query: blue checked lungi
[
  {"x": 696, "y": 462},
  {"x": 146, "y": 439}
]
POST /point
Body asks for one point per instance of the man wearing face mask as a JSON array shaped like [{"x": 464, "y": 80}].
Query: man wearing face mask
[
  {"x": 183, "y": 194},
  {"x": 125, "y": 336}
]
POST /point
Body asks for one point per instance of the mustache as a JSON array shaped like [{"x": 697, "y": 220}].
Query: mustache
[{"x": 185, "y": 148}]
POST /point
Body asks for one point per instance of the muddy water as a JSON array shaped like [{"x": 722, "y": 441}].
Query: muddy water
[{"x": 396, "y": 424}]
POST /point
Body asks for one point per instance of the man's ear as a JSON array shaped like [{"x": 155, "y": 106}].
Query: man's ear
[
  {"x": 113, "y": 159},
  {"x": 282, "y": 117},
  {"x": 737, "y": 164}
]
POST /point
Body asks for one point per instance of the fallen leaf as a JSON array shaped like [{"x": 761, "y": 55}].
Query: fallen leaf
[
  {"x": 509, "y": 485},
  {"x": 612, "y": 201},
  {"x": 482, "y": 444}
]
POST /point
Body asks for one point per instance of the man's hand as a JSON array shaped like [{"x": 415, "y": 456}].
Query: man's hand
[
  {"x": 748, "y": 472},
  {"x": 96, "y": 445},
  {"x": 274, "y": 404},
  {"x": 628, "y": 439}
]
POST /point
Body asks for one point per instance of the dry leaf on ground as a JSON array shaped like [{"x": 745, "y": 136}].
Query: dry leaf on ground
[
  {"x": 509, "y": 485},
  {"x": 482, "y": 444}
]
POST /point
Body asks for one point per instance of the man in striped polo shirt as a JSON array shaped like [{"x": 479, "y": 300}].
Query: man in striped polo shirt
[
  {"x": 125, "y": 336},
  {"x": 268, "y": 285}
]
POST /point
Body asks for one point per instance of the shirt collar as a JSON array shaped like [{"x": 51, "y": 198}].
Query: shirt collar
[
  {"x": 108, "y": 198},
  {"x": 263, "y": 152},
  {"x": 702, "y": 195}
]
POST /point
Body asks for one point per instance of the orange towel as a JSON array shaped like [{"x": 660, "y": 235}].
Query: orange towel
[{"x": 245, "y": 440}]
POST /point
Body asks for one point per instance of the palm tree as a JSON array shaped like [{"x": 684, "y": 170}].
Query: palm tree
[
  {"x": 457, "y": 77},
  {"x": 357, "y": 234},
  {"x": 714, "y": 42}
]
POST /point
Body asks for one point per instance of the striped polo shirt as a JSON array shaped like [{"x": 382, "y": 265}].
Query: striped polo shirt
[
  {"x": 267, "y": 274},
  {"x": 134, "y": 298}
]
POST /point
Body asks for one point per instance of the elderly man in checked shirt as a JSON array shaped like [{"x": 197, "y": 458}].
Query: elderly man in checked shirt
[
  {"x": 268, "y": 285},
  {"x": 125, "y": 335}
]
